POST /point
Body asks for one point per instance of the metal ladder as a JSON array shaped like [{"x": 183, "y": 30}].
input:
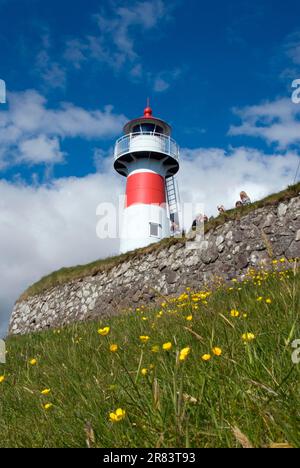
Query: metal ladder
[{"x": 172, "y": 197}]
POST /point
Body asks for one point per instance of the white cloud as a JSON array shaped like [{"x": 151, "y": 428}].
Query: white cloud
[
  {"x": 214, "y": 176},
  {"x": 292, "y": 47},
  {"x": 40, "y": 149},
  {"x": 163, "y": 80},
  {"x": 31, "y": 131},
  {"x": 44, "y": 228},
  {"x": 117, "y": 29},
  {"x": 52, "y": 73},
  {"x": 117, "y": 42},
  {"x": 75, "y": 52},
  {"x": 47, "y": 227},
  {"x": 274, "y": 121}
]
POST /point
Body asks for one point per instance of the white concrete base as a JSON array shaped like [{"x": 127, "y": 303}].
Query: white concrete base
[{"x": 135, "y": 232}]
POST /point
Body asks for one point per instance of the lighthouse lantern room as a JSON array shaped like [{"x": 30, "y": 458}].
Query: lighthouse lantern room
[{"x": 149, "y": 158}]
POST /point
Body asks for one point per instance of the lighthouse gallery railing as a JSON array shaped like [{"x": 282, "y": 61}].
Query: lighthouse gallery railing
[{"x": 146, "y": 141}]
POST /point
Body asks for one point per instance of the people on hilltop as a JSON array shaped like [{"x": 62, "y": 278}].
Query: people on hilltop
[
  {"x": 174, "y": 227},
  {"x": 200, "y": 219},
  {"x": 245, "y": 199}
]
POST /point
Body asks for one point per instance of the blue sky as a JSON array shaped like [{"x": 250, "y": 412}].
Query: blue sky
[
  {"x": 196, "y": 60},
  {"x": 219, "y": 72}
]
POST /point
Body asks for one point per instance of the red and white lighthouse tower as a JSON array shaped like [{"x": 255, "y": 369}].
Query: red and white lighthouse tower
[{"x": 149, "y": 158}]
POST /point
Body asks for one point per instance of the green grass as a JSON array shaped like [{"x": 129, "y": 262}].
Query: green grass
[
  {"x": 65, "y": 275},
  {"x": 253, "y": 387}
]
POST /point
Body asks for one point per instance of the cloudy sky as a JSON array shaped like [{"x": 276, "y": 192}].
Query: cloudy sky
[{"x": 220, "y": 72}]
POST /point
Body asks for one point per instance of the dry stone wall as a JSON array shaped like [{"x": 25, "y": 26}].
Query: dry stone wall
[{"x": 228, "y": 251}]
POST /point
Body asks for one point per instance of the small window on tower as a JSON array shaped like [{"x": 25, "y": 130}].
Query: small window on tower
[{"x": 154, "y": 230}]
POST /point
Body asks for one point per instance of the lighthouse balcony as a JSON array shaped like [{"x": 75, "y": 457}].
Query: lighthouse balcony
[{"x": 146, "y": 142}]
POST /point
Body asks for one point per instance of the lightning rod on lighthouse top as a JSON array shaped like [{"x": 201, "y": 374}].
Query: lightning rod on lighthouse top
[{"x": 149, "y": 158}]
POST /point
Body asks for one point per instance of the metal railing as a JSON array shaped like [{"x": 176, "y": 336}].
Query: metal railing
[{"x": 134, "y": 142}]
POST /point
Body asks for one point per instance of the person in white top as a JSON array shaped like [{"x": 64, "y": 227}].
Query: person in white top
[{"x": 245, "y": 199}]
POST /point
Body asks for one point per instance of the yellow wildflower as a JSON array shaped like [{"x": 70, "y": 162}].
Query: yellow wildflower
[
  {"x": 33, "y": 362},
  {"x": 155, "y": 349},
  {"x": 2, "y": 378},
  {"x": 189, "y": 318},
  {"x": 184, "y": 353},
  {"x": 144, "y": 371},
  {"x": 104, "y": 331},
  {"x": 217, "y": 351},
  {"x": 117, "y": 416},
  {"x": 47, "y": 406},
  {"x": 248, "y": 337},
  {"x": 144, "y": 339},
  {"x": 167, "y": 346},
  {"x": 113, "y": 348},
  {"x": 269, "y": 301},
  {"x": 206, "y": 357},
  {"x": 234, "y": 313},
  {"x": 46, "y": 391}
]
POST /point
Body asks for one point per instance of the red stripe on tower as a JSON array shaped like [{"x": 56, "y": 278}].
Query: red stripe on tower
[{"x": 145, "y": 188}]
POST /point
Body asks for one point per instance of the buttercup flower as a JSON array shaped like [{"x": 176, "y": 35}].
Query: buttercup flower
[
  {"x": 189, "y": 318},
  {"x": 47, "y": 406},
  {"x": 248, "y": 337},
  {"x": 46, "y": 391},
  {"x": 144, "y": 371},
  {"x": 184, "y": 353},
  {"x": 217, "y": 351},
  {"x": 104, "y": 331},
  {"x": 167, "y": 346},
  {"x": 117, "y": 416},
  {"x": 155, "y": 349},
  {"x": 206, "y": 357},
  {"x": 2, "y": 378},
  {"x": 33, "y": 362},
  {"x": 234, "y": 313},
  {"x": 144, "y": 339},
  {"x": 113, "y": 348},
  {"x": 269, "y": 301}
]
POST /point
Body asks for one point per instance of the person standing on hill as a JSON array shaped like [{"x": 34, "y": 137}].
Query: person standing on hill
[{"x": 245, "y": 199}]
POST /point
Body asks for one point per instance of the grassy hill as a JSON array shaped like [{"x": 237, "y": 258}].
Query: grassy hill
[
  {"x": 65, "y": 275},
  {"x": 226, "y": 378}
]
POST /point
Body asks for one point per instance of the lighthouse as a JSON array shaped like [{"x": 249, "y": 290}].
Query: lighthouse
[{"x": 149, "y": 159}]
